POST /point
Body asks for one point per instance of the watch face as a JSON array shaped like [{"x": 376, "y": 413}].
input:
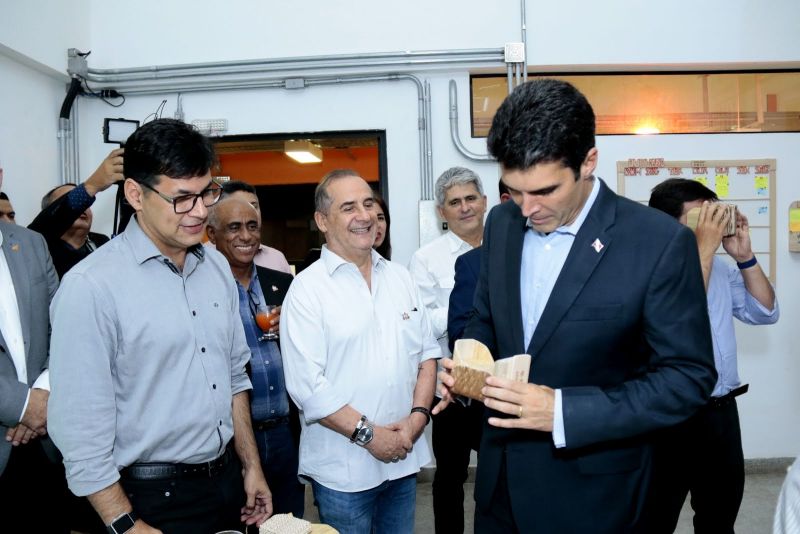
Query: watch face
[
  {"x": 121, "y": 525},
  {"x": 365, "y": 435}
]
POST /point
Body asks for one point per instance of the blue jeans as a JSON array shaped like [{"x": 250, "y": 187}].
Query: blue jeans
[
  {"x": 277, "y": 448},
  {"x": 385, "y": 509}
]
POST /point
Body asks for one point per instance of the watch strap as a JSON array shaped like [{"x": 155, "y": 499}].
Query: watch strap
[
  {"x": 359, "y": 426},
  {"x": 424, "y": 411}
]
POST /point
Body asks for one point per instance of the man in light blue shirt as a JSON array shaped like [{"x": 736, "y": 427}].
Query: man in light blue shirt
[{"x": 704, "y": 454}]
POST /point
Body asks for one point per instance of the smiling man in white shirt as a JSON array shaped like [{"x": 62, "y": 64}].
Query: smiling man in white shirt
[
  {"x": 461, "y": 203},
  {"x": 359, "y": 359}
]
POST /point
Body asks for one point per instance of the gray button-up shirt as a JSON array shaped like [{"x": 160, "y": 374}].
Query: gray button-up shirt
[{"x": 144, "y": 360}]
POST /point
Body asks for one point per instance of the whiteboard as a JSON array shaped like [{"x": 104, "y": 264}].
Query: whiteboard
[{"x": 750, "y": 184}]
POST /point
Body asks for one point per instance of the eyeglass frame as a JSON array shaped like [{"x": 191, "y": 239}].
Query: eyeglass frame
[{"x": 174, "y": 200}]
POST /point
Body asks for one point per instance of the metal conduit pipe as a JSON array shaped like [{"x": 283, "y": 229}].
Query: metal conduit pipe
[
  {"x": 425, "y": 154},
  {"x": 524, "y": 41},
  {"x": 428, "y": 193},
  {"x": 63, "y": 128},
  {"x": 394, "y": 64},
  {"x": 510, "y": 77},
  {"x": 75, "y": 131},
  {"x": 100, "y": 74},
  {"x": 454, "y": 128},
  {"x": 186, "y": 86}
]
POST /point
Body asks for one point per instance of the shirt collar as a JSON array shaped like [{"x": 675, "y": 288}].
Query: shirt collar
[
  {"x": 456, "y": 243},
  {"x": 144, "y": 248},
  {"x": 333, "y": 261},
  {"x": 573, "y": 228},
  {"x": 1, "y": 237}
]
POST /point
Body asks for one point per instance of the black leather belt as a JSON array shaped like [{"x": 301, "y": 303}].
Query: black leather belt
[
  {"x": 724, "y": 400},
  {"x": 165, "y": 471},
  {"x": 270, "y": 423}
]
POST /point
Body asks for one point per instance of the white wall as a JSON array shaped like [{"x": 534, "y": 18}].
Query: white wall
[
  {"x": 624, "y": 33},
  {"x": 29, "y": 105},
  {"x": 40, "y": 31}
]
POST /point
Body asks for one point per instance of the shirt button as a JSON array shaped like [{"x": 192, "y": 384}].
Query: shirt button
[
  {"x": 220, "y": 422},
  {"x": 202, "y": 349},
  {"x": 194, "y": 312},
  {"x": 547, "y": 247},
  {"x": 271, "y": 388},
  {"x": 272, "y": 411},
  {"x": 267, "y": 362},
  {"x": 213, "y": 386}
]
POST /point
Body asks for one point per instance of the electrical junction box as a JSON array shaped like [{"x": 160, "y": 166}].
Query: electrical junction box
[
  {"x": 514, "y": 53},
  {"x": 211, "y": 127}
]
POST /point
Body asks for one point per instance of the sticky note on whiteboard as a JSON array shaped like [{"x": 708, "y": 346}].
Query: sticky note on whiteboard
[
  {"x": 702, "y": 179},
  {"x": 722, "y": 185},
  {"x": 794, "y": 220},
  {"x": 762, "y": 182}
]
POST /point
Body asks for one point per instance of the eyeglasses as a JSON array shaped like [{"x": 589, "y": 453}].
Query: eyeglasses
[{"x": 185, "y": 203}]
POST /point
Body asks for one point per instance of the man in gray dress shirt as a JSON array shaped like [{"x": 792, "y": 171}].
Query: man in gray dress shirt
[{"x": 148, "y": 358}]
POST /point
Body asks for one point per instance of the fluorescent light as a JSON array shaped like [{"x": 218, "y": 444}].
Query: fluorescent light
[
  {"x": 303, "y": 151},
  {"x": 646, "y": 129}
]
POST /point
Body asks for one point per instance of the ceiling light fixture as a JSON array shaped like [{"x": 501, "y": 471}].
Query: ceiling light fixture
[{"x": 303, "y": 151}]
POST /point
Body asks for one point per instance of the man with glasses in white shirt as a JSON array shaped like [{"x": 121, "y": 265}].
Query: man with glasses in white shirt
[
  {"x": 359, "y": 359},
  {"x": 149, "y": 402}
]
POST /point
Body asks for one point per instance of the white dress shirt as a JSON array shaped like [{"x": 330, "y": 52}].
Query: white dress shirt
[
  {"x": 345, "y": 343},
  {"x": 11, "y": 327},
  {"x": 433, "y": 270}
]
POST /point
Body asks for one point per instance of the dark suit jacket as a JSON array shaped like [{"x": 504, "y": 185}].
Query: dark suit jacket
[
  {"x": 35, "y": 283},
  {"x": 52, "y": 222},
  {"x": 274, "y": 284},
  {"x": 625, "y": 335},
  {"x": 460, "y": 308}
]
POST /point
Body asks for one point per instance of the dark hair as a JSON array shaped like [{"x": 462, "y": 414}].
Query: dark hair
[
  {"x": 502, "y": 188},
  {"x": 385, "y": 248},
  {"x": 3, "y": 196},
  {"x": 47, "y": 199},
  {"x": 234, "y": 186},
  {"x": 670, "y": 195},
  {"x": 169, "y": 147},
  {"x": 322, "y": 200},
  {"x": 542, "y": 121}
]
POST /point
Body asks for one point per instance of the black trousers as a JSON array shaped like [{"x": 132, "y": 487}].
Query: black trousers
[
  {"x": 193, "y": 505},
  {"x": 456, "y": 432},
  {"x": 497, "y": 518},
  {"x": 702, "y": 456},
  {"x": 33, "y": 492}
]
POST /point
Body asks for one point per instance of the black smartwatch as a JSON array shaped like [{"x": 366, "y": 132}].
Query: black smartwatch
[{"x": 123, "y": 523}]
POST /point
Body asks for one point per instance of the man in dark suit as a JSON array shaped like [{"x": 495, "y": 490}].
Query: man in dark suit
[
  {"x": 235, "y": 228},
  {"x": 607, "y": 297},
  {"x": 29, "y": 474}
]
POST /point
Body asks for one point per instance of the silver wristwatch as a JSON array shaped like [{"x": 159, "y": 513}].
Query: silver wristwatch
[{"x": 363, "y": 432}]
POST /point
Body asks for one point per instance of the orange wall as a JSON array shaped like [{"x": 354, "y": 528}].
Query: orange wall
[{"x": 276, "y": 168}]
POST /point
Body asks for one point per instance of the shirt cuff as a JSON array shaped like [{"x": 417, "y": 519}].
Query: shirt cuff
[
  {"x": 559, "y": 439},
  {"x": 43, "y": 382},
  {"x": 25, "y": 406},
  {"x": 79, "y": 198}
]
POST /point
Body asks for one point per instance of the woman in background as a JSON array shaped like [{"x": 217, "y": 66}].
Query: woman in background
[{"x": 382, "y": 242}]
